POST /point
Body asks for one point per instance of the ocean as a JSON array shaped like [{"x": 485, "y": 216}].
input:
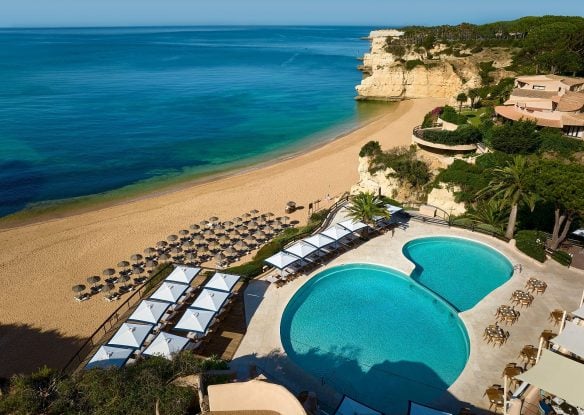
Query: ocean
[{"x": 119, "y": 110}]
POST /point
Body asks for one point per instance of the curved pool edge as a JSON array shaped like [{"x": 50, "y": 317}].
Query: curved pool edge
[{"x": 393, "y": 272}]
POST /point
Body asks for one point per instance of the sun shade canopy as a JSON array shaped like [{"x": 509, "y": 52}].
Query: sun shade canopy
[
  {"x": 223, "y": 282},
  {"x": 336, "y": 232},
  {"x": 353, "y": 226},
  {"x": 165, "y": 345},
  {"x": 109, "y": 356},
  {"x": 131, "y": 335},
  {"x": 149, "y": 311},
  {"x": 417, "y": 409},
  {"x": 169, "y": 292},
  {"x": 210, "y": 300},
  {"x": 301, "y": 249},
  {"x": 195, "y": 320},
  {"x": 183, "y": 274},
  {"x": 350, "y": 406},
  {"x": 319, "y": 240},
  {"x": 557, "y": 375},
  {"x": 393, "y": 209},
  {"x": 571, "y": 338},
  {"x": 282, "y": 260}
]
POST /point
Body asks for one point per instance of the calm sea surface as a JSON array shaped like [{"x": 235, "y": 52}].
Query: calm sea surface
[{"x": 89, "y": 111}]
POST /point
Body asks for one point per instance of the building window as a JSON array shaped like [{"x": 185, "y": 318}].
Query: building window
[
  {"x": 574, "y": 131},
  {"x": 539, "y": 87}
]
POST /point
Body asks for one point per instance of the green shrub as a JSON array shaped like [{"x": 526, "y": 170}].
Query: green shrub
[
  {"x": 469, "y": 177},
  {"x": 449, "y": 114},
  {"x": 413, "y": 63},
  {"x": 531, "y": 243},
  {"x": 562, "y": 258},
  {"x": 372, "y": 148},
  {"x": 485, "y": 68},
  {"x": 476, "y": 49},
  {"x": 408, "y": 169},
  {"x": 519, "y": 137},
  {"x": 463, "y": 135},
  {"x": 552, "y": 141}
]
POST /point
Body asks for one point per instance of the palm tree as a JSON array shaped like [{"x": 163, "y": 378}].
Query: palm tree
[
  {"x": 461, "y": 98},
  {"x": 366, "y": 206},
  {"x": 492, "y": 213},
  {"x": 510, "y": 184},
  {"x": 473, "y": 94}
]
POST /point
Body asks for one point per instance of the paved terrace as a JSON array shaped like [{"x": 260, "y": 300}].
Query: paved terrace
[{"x": 261, "y": 347}]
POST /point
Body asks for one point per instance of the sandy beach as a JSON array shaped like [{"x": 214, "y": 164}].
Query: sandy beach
[{"x": 40, "y": 323}]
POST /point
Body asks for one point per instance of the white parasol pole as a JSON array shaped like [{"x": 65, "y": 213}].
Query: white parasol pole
[
  {"x": 563, "y": 322},
  {"x": 539, "y": 349}
]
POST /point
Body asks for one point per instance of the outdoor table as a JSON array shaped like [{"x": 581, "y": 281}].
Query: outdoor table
[
  {"x": 547, "y": 335},
  {"x": 529, "y": 353},
  {"x": 512, "y": 371},
  {"x": 507, "y": 314},
  {"x": 535, "y": 285},
  {"x": 521, "y": 297}
]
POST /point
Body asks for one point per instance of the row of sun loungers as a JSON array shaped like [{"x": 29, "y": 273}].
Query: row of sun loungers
[{"x": 175, "y": 317}]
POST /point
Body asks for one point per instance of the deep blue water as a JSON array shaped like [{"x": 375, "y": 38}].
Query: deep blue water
[{"x": 86, "y": 111}]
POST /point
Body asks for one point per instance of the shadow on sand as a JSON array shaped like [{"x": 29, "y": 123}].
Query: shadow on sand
[{"x": 24, "y": 349}]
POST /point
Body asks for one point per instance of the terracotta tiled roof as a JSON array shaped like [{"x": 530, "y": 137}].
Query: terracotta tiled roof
[
  {"x": 532, "y": 93},
  {"x": 571, "y": 101},
  {"x": 511, "y": 113}
]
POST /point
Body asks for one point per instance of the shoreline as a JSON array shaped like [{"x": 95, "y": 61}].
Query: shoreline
[
  {"x": 50, "y": 210},
  {"x": 40, "y": 262}
]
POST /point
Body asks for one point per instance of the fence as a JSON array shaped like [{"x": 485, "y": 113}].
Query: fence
[{"x": 110, "y": 322}]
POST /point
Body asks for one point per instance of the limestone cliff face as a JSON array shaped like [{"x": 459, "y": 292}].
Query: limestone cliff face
[{"x": 437, "y": 74}]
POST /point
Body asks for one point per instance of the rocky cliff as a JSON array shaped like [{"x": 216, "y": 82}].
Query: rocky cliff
[{"x": 393, "y": 70}]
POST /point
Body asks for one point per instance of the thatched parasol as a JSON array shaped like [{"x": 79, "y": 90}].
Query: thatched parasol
[
  {"x": 176, "y": 250},
  {"x": 93, "y": 280},
  {"x": 162, "y": 244},
  {"x": 260, "y": 235},
  {"x": 204, "y": 223},
  {"x": 224, "y": 240},
  {"x": 108, "y": 288},
  {"x": 124, "y": 279},
  {"x": 198, "y": 239},
  {"x": 172, "y": 238},
  {"x": 191, "y": 256},
  {"x": 254, "y": 212},
  {"x": 164, "y": 257},
  {"x": 249, "y": 240},
  {"x": 184, "y": 232},
  {"x": 240, "y": 246},
  {"x": 136, "y": 258},
  {"x": 150, "y": 251},
  {"x": 108, "y": 272},
  {"x": 123, "y": 264},
  {"x": 194, "y": 227},
  {"x": 213, "y": 219},
  {"x": 150, "y": 264},
  {"x": 230, "y": 252},
  {"x": 78, "y": 288}
]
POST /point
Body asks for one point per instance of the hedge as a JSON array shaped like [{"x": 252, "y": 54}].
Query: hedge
[
  {"x": 449, "y": 114},
  {"x": 255, "y": 267},
  {"x": 461, "y": 136},
  {"x": 531, "y": 243},
  {"x": 562, "y": 258}
]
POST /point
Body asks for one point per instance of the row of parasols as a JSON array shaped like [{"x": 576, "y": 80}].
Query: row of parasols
[{"x": 209, "y": 240}]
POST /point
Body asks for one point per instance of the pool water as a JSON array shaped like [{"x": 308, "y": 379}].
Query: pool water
[
  {"x": 376, "y": 335},
  {"x": 461, "y": 271},
  {"x": 382, "y": 337}
]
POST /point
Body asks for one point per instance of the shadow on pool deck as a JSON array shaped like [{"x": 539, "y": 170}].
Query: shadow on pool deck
[{"x": 386, "y": 386}]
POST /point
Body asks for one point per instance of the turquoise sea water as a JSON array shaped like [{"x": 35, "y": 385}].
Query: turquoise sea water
[
  {"x": 375, "y": 335},
  {"x": 86, "y": 111},
  {"x": 461, "y": 271},
  {"x": 384, "y": 338}
]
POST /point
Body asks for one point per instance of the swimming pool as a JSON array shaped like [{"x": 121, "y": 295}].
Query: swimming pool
[
  {"x": 459, "y": 270},
  {"x": 376, "y": 335},
  {"x": 384, "y": 338}
]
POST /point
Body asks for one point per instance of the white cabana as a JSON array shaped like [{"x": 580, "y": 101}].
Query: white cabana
[
  {"x": 579, "y": 313},
  {"x": 109, "y": 356},
  {"x": 169, "y": 292},
  {"x": 352, "y": 225},
  {"x": 282, "y": 260},
  {"x": 149, "y": 311},
  {"x": 571, "y": 338},
  {"x": 131, "y": 335},
  {"x": 393, "y": 209},
  {"x": 558, "y": 375},
  {"x": 350, "y": 406},
  {"x": 222, "y": 282},
  {"x": 166, "y": 345},
  {"x": 195, "y": 320},
  {"x": 210, "y": 300},
  {"x": 417, "y": 409},
  {"x": 301, "y": 249},
  {"x": 336, "y": 232},
  {"x": 319, "y": 240},
  {"x": 182, "y": 274}
]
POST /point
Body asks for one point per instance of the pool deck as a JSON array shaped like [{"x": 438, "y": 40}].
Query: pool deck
[{"x": 261, "y": 346}]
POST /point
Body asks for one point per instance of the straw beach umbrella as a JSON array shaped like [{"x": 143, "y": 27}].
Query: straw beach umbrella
[
  {"x": 285, "y": 219},
  {"x": 252, "y": 226},
  {"x": 260, "y": 236},
  {"x": 240, "y": 246},
  {"x": 150, "y": 251},
  {"x": 162, "y": 244},
  {"x": 194, "y": 227},
  {"x": 176, "y": 250},
  {"x": 184, "y": 232},
  {"x": 213, "y": 246},
  {"x": 250, "y": 241},
  {"x": 191, "y": 256},
  {"x": 209, "y": 234},
  {"x": 164, "y": 257},
  {"x": 254, "y": 212},
  {"x": 93, "y": 280},
  {"x": 198, "y": 239},
  {"x": 219, "y": 230},
  {"x": 230, "y": 252},
  {"x": 204, "y": 223},
  {"x": 137, "y": 258},
  {"x": 108, "y": 288},
  {"x": 78, "y": 288},
  {"x": 172, "y": 238},
  {"x": 124, "y": 279},
  {"x": 123, "y": 264},
  {"x": 108, "y": 272},
  {"x": 187, "y": 245},
  {"x": 246, "y": 217},
  {"x": 150, "y": 264},
  {"x": 228, "y": 224},
  {"x": 224, "y": 240},
  {"x": 213, "y": 219},
  {"x": 238, "y": 220}
]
